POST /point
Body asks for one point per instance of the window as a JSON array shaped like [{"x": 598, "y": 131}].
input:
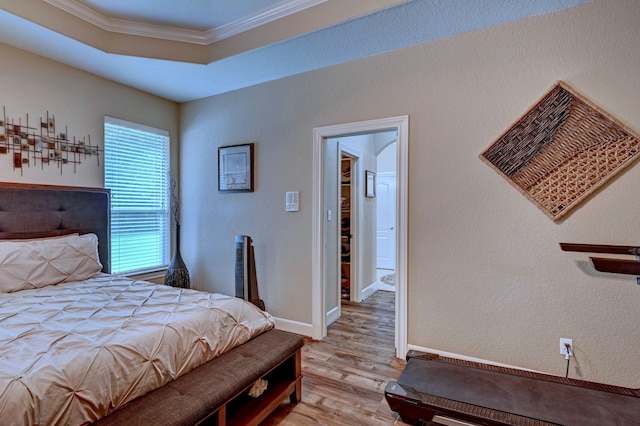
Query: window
[{"x": 136, "y": 171}]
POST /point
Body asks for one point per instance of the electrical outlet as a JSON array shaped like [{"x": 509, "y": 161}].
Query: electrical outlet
[{"x": 563, "y": 347}]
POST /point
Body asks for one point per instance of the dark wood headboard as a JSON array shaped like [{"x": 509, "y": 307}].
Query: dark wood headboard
[{"x": 36, "y": 211}]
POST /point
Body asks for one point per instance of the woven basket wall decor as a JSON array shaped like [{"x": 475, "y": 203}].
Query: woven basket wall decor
[{"x": 562, "y": 150}]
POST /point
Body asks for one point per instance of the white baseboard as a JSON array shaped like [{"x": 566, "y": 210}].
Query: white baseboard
[
  {"x": 468, "y": 358},
  {"x": 368, "y": 291},
  {"x": 296, "y": 327},
  {"x": 332, "y": 316},
  {"x": 375, "y": 287}
]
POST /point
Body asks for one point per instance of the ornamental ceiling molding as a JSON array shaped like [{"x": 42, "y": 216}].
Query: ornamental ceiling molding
[{"x": 278, "y": 11}]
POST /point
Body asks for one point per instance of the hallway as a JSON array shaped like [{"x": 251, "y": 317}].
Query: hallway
[{"x": 386, "y": 279}]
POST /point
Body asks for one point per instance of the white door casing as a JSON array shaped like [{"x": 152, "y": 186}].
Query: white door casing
[{"x": 320, "y": 134}]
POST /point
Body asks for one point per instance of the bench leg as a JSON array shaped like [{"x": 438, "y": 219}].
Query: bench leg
[
  {"x": 222, "y": 416},
  {"x": 296, "y": 395}
]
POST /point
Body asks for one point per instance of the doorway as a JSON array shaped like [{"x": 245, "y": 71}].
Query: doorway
[
  {"x": 386, "y": 221},
  {"x": 341, "y": 202},
  {"x": 347, "y": 196},
  {"x": 324, "y": 219},
  {"x": 386, "y": 216}
]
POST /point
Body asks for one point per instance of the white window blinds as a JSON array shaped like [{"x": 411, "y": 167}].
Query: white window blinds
[{"x": 136, "y": 171}]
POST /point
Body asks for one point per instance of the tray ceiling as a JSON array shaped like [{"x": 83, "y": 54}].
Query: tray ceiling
[
  {"x": 189, "y": 50},
  {"x": 198, "y": 21}
]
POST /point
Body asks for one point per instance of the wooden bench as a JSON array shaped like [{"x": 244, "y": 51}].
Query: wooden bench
[{"x": 217, "y": 392}]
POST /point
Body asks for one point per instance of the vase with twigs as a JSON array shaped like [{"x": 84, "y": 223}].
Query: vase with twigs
[{"x": 177, "y": 274}]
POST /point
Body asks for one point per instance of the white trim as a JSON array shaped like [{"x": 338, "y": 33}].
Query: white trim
[
  {"x": 148, "y": 276},
  {"x": 136, "y": 126},
  {"x": 369, "y": 290},
  {"x": 302, "y": 328},
  {"x": 318, "y": 302},
  {"x": 333, "y": 315},
  {"x": 318, "y": 314},
  {"x": 402, "y": 241},
  {"x": 468, "y": 358},
  {"x": 273, "y": 13}
]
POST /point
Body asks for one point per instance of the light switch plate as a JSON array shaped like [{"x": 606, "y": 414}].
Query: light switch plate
[{"x": 292, "y": 201}]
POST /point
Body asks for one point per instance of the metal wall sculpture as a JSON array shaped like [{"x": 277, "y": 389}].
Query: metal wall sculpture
[{"x": 41, "y": 145}]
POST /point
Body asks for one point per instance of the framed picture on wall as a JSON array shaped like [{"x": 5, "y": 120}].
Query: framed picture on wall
[
  {"x": 370, "y": 181},
  {"x": 235, "y": 168}
]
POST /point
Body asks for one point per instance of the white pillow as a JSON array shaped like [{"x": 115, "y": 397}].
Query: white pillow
[{"x": 43, "y": 262}]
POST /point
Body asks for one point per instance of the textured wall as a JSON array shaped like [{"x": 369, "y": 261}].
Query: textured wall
[
  {"x": 34, "y": 85},
  {"x": 486, "y": 276}
]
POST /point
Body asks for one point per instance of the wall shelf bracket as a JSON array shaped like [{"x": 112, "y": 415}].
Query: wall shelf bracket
[{"x": 612, "y": 265}]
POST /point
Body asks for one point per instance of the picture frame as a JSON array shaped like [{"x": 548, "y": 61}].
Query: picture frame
[
  {"x": 236, "y": 168},
  {"x": 370, "y": 184}
]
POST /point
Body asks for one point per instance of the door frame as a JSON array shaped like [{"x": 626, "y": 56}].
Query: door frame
[
  {"x": 355, "y": 284},
  {"x": 320, "y": 135}
]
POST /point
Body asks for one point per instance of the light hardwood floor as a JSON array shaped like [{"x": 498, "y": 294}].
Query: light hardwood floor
[{"x": 344, "y": 375}]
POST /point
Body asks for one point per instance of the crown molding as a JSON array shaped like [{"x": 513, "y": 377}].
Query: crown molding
[
  {"x": 280, "y": 10},
  {"x": 277, "y": 11}
]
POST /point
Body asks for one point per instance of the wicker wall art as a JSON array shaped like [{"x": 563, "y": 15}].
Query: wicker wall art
[{"x": 562, "y": 150}]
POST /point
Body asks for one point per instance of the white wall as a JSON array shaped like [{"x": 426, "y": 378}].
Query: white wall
[
  {"x": 387, "y": 159},
  {"x": 486, "y": 276},
  {"x": 34, "y": 85}
]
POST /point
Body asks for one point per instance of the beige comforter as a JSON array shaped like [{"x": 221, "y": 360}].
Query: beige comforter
[{"x": 74, "y": 352}]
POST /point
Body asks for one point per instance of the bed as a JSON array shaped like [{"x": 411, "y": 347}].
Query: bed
[{"x": 79, "y": 345}]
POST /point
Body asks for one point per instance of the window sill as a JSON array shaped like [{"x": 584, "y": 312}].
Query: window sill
[{"x": 152, "y": 276}]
